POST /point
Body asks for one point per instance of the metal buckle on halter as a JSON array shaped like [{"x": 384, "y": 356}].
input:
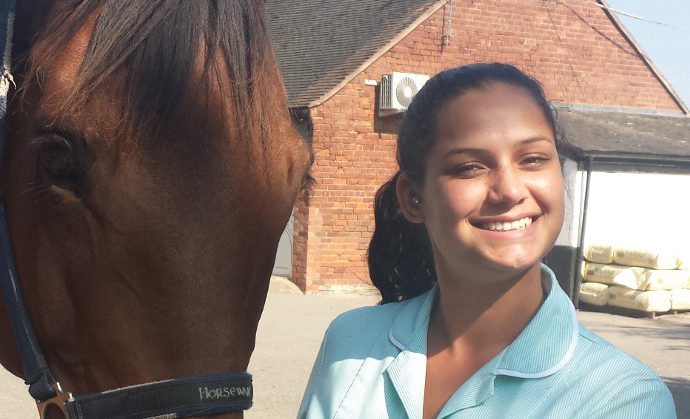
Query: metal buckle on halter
[{"x": 47, "y": 408}]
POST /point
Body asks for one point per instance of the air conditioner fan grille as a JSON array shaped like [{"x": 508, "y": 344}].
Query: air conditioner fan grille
[{"x": 405, "y": 90}]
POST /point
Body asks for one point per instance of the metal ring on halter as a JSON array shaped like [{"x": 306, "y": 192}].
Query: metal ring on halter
[{"x": 59, "y": 401}]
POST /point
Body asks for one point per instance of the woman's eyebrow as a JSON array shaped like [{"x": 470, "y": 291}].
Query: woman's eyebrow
[
  {"x": 468, "y": 150},
  {"x": 536, "y": 140},
  {"x": 474, "y": 150}
]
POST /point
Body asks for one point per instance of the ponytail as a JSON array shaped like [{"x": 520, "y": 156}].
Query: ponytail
[{"x": 400, "y": 259}]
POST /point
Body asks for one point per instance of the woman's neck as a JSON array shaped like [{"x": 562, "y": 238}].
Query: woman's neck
[{"x": 487, "y": 312}]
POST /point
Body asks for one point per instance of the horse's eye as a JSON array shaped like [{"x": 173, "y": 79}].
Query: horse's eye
[{"x": 63, "y": 161}]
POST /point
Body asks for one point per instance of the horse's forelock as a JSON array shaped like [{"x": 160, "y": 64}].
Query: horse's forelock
[{"x": 152, "y": 56}]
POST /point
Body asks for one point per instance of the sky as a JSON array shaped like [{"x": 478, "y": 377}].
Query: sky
[{"x": 667, "y": 45}]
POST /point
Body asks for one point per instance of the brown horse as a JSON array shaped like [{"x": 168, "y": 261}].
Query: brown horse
[{"x": 150, "y": 167}]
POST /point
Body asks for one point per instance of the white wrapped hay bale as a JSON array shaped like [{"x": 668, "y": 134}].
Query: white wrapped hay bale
[
  {"x": 631, "y": 277},
  {"x": 680, "y": 299},
  {"x": 599, "y": 253},
  {"x": 646, "y": 258},
  {"x": 665, "y": 279},
  {"x": 648, "y": 301},
  {"x": 594, "y": 293},
  {"x": 684, "y": 263}
]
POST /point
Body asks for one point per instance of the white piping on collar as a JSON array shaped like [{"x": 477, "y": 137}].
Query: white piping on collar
[
  {"x": 425, "y": 306},
  {"x": 566, "y": 358},
  {"x": 395, "y": 341}
]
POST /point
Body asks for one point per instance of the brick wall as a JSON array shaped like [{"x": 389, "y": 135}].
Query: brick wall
[{"x": 573, "y": 49}]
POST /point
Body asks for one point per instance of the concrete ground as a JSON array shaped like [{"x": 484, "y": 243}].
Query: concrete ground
[{"x": 293, "y": 324}]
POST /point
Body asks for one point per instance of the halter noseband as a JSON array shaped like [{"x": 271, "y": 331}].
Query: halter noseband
[{"x": 201, "y": 395}]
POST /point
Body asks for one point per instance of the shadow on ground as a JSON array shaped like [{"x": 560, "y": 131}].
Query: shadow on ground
[
  {"x": 680, "y": 388},
  {"x": 674, "y": 330},
  {"x": 677, "y": 336}
]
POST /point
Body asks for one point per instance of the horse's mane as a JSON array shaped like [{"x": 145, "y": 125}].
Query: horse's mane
[{"x": 148, "y": 52}]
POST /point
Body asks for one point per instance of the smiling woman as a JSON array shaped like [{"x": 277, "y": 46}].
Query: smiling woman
[{"x": 471, "y": 323}]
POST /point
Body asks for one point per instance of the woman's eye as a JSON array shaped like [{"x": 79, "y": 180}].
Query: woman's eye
[
  {"x": 534, "y": 160},
  {"x": 467, "y": 170}
]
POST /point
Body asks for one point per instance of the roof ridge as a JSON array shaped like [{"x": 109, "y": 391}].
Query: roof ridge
[{"x": 638, "y": 49}]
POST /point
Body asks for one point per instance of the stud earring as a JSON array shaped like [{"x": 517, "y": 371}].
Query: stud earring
[{"x": 415, "y": 200}]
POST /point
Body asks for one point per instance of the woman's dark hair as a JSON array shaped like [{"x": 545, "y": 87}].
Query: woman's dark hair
[{"x": 401, "y": 263}]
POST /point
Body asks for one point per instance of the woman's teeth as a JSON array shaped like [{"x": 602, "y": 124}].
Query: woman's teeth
[{"x": 507, "y": 225}]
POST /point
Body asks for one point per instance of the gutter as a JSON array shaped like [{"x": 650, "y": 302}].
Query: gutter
[{"x": 647, "y": 159}]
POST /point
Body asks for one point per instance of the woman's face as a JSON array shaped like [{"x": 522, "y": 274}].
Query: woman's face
[{"x": 492, "y": 195}]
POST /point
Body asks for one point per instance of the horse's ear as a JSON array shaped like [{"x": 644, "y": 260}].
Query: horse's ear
[{"x": 63, "y": 161}]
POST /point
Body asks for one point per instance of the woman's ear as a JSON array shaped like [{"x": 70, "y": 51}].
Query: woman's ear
[{"x": 409, "y": 200}]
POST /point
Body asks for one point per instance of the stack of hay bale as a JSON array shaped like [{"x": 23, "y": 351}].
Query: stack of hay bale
[{"x": 649, "y": 281}]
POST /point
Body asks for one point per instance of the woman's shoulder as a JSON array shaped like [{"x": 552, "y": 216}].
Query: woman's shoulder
[
  {"x": 603, "y": 355},
  {"x": 617, "y": 381},
  {"x": 356, "y": 344},
  {"x": 374, "y": 316},
  {"x": 363, "y": 327},
  {"x": 367, "y": 320}
]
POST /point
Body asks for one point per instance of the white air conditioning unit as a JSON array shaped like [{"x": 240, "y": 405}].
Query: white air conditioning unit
[{"x": 397, "y": 91}]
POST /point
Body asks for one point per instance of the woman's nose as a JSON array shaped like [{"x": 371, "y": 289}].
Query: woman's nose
[{"x": 506, "y": 187}]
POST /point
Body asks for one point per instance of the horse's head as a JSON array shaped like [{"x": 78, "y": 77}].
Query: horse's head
[{"x": 150, "y": 168}]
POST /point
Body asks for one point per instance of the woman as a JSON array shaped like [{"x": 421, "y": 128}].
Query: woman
[{"x": 471, "y": 324}]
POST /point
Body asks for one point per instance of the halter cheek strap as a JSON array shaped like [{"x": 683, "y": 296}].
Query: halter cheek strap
[
  {"x": 201, "y": 395},
  {"x": 36, "y": 371}
]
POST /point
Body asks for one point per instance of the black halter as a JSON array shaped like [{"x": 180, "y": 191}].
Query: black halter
[{"x": 201, "y": 395}]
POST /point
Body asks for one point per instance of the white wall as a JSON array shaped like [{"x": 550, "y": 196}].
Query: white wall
[{"x": 647, "y": 210}]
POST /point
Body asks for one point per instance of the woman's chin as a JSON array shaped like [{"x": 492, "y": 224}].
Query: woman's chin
[{"x": 514, "y": 262}]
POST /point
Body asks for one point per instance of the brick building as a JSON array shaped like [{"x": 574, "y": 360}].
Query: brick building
[{"x": 333, "y": 53}]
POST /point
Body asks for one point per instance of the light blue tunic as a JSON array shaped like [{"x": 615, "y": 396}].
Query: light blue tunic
[{"x": 372, "y": 364}]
